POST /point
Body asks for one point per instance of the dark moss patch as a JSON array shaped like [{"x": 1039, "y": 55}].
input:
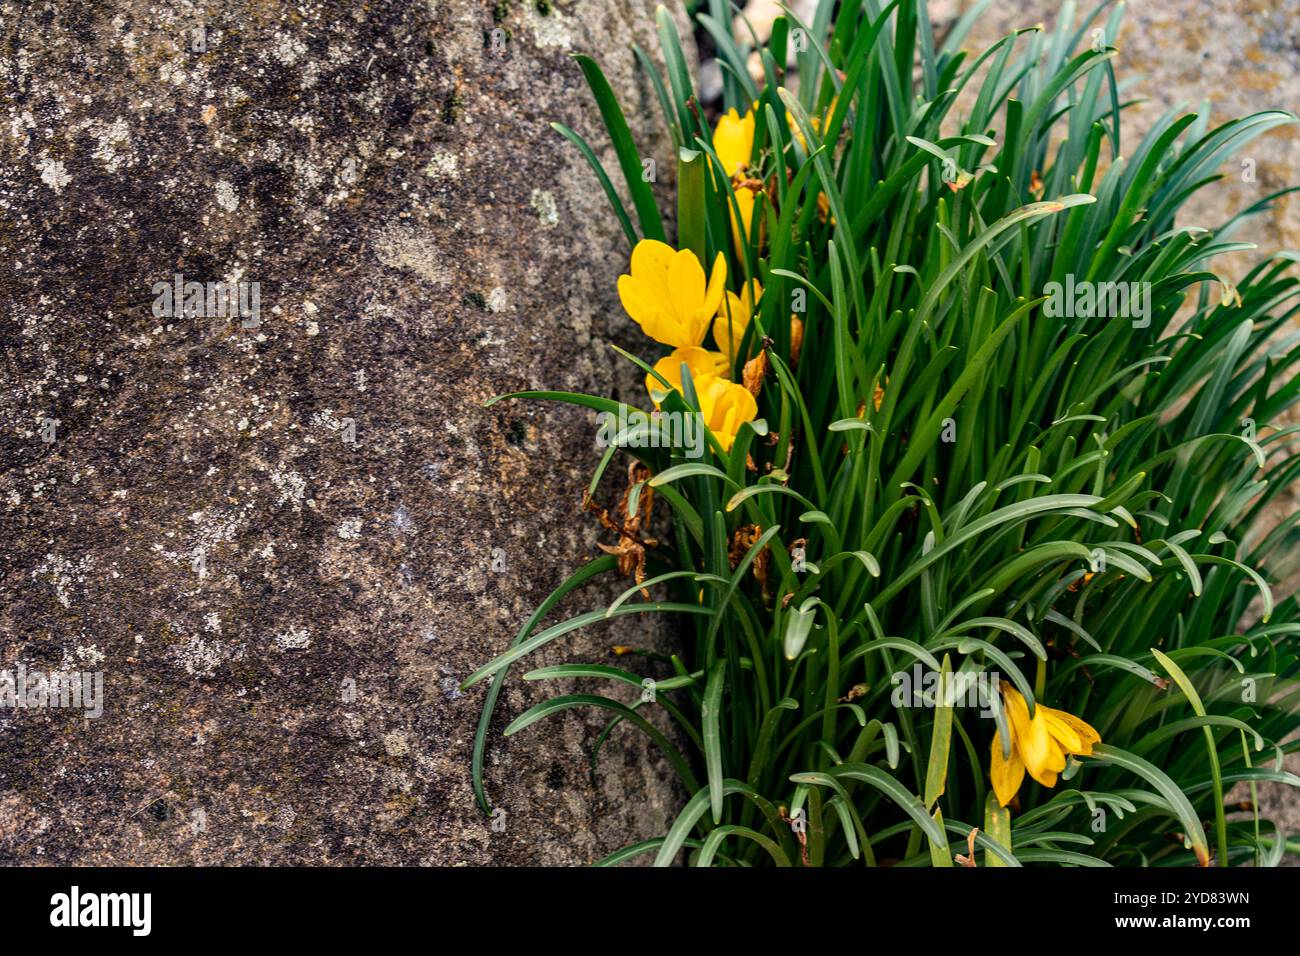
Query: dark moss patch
[
  {"x": 452, "y": 107},
  {"x": 555, "y": 777}
]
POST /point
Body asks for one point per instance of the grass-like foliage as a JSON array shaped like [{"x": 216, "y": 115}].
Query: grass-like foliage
[{"x": 942, "y": 471}]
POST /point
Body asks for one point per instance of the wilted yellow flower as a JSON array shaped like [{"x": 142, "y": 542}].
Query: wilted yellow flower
[
  {"x": 725, "y": 407},
  {"x": 733, "y": 317},
  {"x": 796, "y": 338},
  {"x": 754, "y": 372},
  {"x": 733, "y": 140},
  {"x": 666, "y": 294},
  {"x": 1038, "y": 746},
  {"x": 701, "y": 362}
]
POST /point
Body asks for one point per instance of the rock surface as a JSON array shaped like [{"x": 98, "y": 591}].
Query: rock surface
[{"x": 284, "y": 543}]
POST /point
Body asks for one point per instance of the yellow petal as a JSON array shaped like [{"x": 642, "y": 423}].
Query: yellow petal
[
  {"x": 1080, "y": 727},
  {"x": 734, "y": 314},
  {"x": 725, "y": 407},
  {"x": 1061, "y": 732},
  {"x": 1007, "y": 772},
  {"x": 1053, "y": 763},
  {"x": 650, "y": 261},
  {"x": 686, "y": 278},
  {"x": 640, "y": 306},
  {"x": 686, "y": 294},
  {"x": 740, "y": 227},
  {"x": 1030, "y": 736},
  {"x": 717, "y": 286},
  {"x": 702, "y": 364},
  {"x": 1055, "y": 755},
  {"x": 733, "y": 140},
  {"x": 1087, "y": 735},
  {"x": 1036, "y": 747},
  {"x": 666, "y": 293},
  {"x": 729, "y": 327},
  {"x": 651, "y": 255}
]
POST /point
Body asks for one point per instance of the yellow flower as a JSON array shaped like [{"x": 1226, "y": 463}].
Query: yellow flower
[
  {"x": 733, "y": 317},
  {"x": 814, "y": 121},
  {"x": 1038, "y": 746},
  {"x": 701, "y": 362},
  {"x": 740, "y": 227},
  {"x": 725, "y": 407},
  {"x": 733, "y": 140},
  {"x": 666, "y": 294}
]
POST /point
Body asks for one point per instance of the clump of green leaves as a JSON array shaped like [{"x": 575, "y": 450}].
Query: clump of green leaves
[{"x": 949, "y": 473}]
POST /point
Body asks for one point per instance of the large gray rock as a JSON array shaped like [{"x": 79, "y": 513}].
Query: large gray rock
[{"x": 421, "y": 241}]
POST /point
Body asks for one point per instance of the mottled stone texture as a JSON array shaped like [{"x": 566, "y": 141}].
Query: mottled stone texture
[{"x": 422, "y": 240}]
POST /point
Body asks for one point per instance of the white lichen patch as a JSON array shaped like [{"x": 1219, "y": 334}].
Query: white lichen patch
[
  {"x": 227, "y": 198},
  {"x": 307, "y": 176},
  {"x": 400, "y": 248},
  {"x": 288, "y": 49},
  {"x": 63, "y": 575},
  {"x": 202, "y": 659},
  {"x": 552, "y": 31},
  {"x": 450, "y": 688},
  {"x": 350, "y": 529},
  {"x": 172, "y": 73},
  {"x": 292, "y": 487},
  {"x": 112, "y": 143},
  {"x": 543, "y": 201},
  {"x": 212, "y": 527},
  {"x": 53, "y": 173},
  {"x": 403, "y": 522},
  {"x": 442, "y": 165},
  {"x": 89, "y": 654},
  {"x": 19, "y": 122},
  {"x": 296, "y": 638}
]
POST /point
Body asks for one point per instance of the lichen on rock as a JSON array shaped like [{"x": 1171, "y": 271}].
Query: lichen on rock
[{"x": 282, "y": 538}]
